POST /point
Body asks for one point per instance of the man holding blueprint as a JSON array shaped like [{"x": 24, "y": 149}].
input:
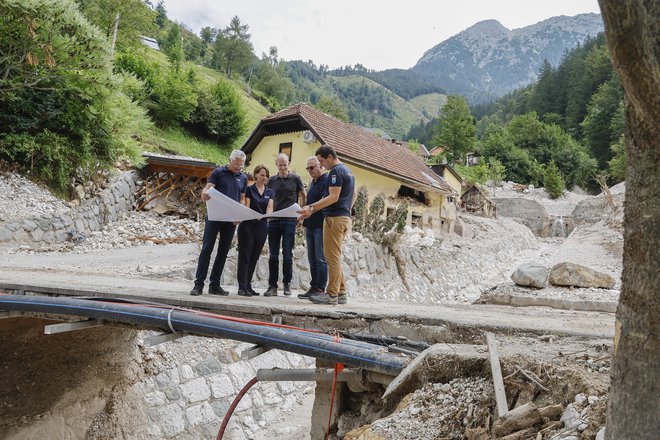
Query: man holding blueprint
[{"x": 230, "y": 182}]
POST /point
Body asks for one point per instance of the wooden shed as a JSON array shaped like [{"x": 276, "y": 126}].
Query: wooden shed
[{"x": 475, "y": 201}]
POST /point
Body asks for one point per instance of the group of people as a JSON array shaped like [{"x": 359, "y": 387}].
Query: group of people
[{"x": 325, "y": 215}]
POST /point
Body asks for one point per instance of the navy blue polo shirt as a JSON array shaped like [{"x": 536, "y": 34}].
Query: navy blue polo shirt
[
  {"x": 317, "y": 190},
  {"x": 259, "y": 202},
  {"x": 286, "y": 190},
  {"x": 230, "y": 184},
  {"x": 340, "y": 175}
]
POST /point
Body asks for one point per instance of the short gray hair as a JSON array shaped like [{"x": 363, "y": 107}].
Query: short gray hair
[
  {"x": 282, "y": 156},
  {"x": 315, "y": 159},
  {"x": 237, "y": 154}
]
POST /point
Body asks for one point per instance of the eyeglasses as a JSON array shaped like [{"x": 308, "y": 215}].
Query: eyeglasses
[{"x": 310, "y": 168}]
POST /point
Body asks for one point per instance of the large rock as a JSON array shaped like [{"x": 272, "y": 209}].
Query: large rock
[
  {"x": 530, "y": 275},
  {"x": 528, "y": 212},
  {"x": 571, "y": 274}
]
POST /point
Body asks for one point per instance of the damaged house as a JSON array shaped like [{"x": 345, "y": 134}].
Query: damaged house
[{"x": 380, "y": 165}]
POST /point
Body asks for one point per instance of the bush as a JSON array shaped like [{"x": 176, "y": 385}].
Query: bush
[
  {"x": 219, "y": 114},
  {"x": 47, "y": 156},
  {"x": 553, "y": 182},
  {"x": 57, "y": 92},
  {"x": 173, "y": 99}
]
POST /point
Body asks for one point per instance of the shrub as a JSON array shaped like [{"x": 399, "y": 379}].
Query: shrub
[
  {"x": 56, "y": 91},
  {"x": 219, "y": 114},
  {"x": 173, "y": 99},
  {"x": 553, "y": 182},
  {"x": 47, "y": 156}
]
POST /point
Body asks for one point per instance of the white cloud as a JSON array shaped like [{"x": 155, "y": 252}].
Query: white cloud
[{"x": 377, "y": 34}]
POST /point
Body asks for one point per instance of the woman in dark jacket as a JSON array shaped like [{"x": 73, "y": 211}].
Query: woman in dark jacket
[{"x": 252, "y": 233}]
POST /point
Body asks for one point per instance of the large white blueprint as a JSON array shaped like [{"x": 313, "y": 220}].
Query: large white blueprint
[{"x": 224, "y": 209}]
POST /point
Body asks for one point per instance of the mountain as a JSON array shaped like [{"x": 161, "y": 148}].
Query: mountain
[{"x": 487, "y": 60}]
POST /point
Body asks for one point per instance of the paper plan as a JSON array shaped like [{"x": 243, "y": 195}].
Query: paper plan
[{"x": 224, "y": 209}]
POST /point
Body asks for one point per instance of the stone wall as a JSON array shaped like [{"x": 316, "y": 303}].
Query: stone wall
[
  {"x": 450, "y": 269},
  {"x": 187, "y": 394},
  {"x": 106, "y": 383},
  {"x": 91, "y": 215}
]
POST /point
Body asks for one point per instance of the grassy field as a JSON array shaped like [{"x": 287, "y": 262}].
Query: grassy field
[{"x": 429, "y": 104}]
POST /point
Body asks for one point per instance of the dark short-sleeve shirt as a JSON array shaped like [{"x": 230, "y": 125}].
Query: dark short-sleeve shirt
[
  {"x": 259, "y": 202},
  {"x": 228, "y": 183},
  {"x": 317, "y": 190},
  {"x": 340, "y": 175},
  {"x": 286, "y": 190}
]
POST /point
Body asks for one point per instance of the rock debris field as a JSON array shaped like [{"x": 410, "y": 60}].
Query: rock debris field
[{"x": 596, "y": 242}]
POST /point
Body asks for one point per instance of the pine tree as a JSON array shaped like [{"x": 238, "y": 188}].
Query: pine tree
[{"x": 553, "y": 182}]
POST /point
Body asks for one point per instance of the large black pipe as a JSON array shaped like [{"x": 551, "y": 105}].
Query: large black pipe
[{"x": 321, "y": 346}]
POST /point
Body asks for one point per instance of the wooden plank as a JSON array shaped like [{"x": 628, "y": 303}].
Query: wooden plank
[{"x": 498, "y": 382}]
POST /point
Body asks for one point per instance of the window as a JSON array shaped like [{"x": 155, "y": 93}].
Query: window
[
  {"x": 287, "y": 148},
  {"x": 416, "y": 220}
]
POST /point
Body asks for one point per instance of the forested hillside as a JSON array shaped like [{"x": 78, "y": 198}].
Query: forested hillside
[
  {"x": 75, "y": 97},
  {"x": 569, "y": 122}
]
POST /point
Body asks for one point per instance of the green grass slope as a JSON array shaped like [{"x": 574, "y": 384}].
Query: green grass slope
[
  {"x": 429, "y": 104},
  {"x": 179, "y": 142}
]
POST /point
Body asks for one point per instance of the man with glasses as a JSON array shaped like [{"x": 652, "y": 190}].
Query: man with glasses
[
  {"x": 288, "y": 190},
  {"x": 314, "y": 230},
  {"x": 336, "y": 205},
  {"x": 230, "y": 181}
]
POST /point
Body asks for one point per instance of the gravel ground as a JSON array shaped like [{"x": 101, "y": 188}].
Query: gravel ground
[
  {"x": 598, "y": 246},
  {"x": 21, "y": 198}
]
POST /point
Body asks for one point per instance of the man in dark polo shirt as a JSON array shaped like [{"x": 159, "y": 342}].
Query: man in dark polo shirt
[
  {"x": 288, "y": 190},
  {"x": 314, "y": 230},
  {"x": 336, "y": 206},
  {"x": 230, "y": 181}
]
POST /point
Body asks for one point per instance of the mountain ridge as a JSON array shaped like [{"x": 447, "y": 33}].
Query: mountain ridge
[{"x": 487, "y": 60}]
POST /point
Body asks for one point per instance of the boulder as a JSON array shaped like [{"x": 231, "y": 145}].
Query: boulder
[
  {"x": 526, "y": 211},
  {"x": 571, "y": 274},
  {"x": 530, "y": 275}
]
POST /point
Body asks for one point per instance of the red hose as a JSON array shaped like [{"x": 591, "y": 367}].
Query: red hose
[{"x": 233, "y": 406}]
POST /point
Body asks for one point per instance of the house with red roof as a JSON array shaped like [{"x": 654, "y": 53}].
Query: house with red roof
[{"x": 380, "y": 165}]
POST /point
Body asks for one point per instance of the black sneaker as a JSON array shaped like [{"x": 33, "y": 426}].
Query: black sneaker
[
  {"x": 197, "y": 290},
  {"x": 287, "y": 289},
  {"x": 253, "y": 292},
  {"x": 242, "y": 292},
  {"x": 311, "y": 291},
  {"x": 324, "y": 298},
  {"x": 217, "y": 290},
  {"x": 272, "y": 291}
]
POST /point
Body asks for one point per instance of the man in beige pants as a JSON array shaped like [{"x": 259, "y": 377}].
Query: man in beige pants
[{"x": 336, "y": 206}]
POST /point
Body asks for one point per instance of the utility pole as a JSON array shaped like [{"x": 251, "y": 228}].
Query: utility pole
[{"x": 114, "y": 34}]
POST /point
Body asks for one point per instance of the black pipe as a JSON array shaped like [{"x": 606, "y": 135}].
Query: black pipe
[{"x": 316, "y": 345}]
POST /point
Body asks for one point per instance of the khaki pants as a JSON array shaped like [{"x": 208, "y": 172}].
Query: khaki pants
[{"x": 334, "y": 232}]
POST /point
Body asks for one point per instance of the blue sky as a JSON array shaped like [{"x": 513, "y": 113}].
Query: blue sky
[{"x": 378, "y": 34}]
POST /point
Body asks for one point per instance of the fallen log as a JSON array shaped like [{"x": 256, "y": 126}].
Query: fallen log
[
  {"x": 517, "y": 419},
  {"x": 552, "y": 412}
]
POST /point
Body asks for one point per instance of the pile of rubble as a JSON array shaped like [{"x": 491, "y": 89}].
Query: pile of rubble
[{"x": 21, "y": 198}]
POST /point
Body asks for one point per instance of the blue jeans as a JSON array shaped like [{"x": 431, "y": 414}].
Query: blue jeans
[
  {"x": 317, "y": 265},
  {"x": 281, "y": 231},
  {"x": 211, "y": 231}
]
